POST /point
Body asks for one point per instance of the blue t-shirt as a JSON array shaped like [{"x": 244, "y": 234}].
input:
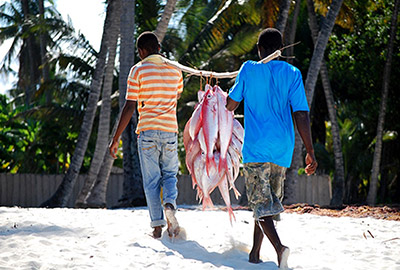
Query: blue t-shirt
[{"x": 269, "y": 91}]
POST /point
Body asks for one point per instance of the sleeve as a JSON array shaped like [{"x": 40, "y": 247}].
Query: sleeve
[
  {"x": 297, "y": 93},
  {"x": 180, "y": 83},
  {"x": 237, "y": 90},
  {"x": 132, "y": 89}
]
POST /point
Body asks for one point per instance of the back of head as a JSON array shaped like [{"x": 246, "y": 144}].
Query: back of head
[
  {"x": 270, "y": 39},
  {"x": 148, "y": 41}
]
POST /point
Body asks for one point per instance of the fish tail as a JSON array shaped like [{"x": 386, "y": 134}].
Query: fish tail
[
  {"x": 207, "y": 202},
  {"x": 237, "y": 193},
  {"x": 231, "y": 214}
]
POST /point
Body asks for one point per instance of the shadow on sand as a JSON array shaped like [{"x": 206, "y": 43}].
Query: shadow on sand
[{"x": 236, "y": 257}]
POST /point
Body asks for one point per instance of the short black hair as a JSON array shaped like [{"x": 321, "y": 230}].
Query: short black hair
[
  {"x": 270, "y": 39},
  {"x": 148, "y": 41}
]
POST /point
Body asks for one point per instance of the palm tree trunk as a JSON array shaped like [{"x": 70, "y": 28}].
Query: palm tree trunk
[
  {"x": 319, "y": 49},
  {"x": 283, "y": 15},
  {"x": 292, "y": 172},
  {"x": 311, "y": 80},
  {"x": 165, "y": 18},
  {"x": 29, "y": 42},
  {"x": 61, "y": 196},
  {"x": 339, "y": 180},
  {"x": 43, "y": 54},
  {"x": 291, "y": 31},
  {"x": 105, "y": 110},
  {"x": 97, "y": 197},
  {"x": 133, "y": 194},
  {"x": 371, "y": 197}
]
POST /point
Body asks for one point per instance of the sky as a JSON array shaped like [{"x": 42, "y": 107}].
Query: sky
[
  {"x": 87, "y": 16},
  {"x": 103, "y": 239}
]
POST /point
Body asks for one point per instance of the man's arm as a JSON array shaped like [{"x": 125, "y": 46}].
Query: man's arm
[
  {"x": 231, "y": 105},
  {"x": 303, "y": 126},
  {"x": 127, "y": 112}
]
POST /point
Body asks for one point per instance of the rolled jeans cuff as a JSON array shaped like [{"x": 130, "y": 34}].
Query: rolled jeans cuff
[
  {"x": 157, "y": 223},
  {"x": 173, "y": 202}
]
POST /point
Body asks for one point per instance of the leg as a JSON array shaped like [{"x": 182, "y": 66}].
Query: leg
[
  {"x": 254, "y": 256},
  {"x": 282, "y": 251},
  {"x": 169, "y": 168},
  {"x": 149, "y": 162},
  {"x": 173, "y": 225}
]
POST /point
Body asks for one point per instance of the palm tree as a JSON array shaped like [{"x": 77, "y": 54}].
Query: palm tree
[
  {"x": 18, "y": 22},
  {"x": 36, "y": 32},
  {"x": 61, "y": 196},
  {"x": 371, "y": 198},
  {"x": 283, "y": 15},
  {"x": 43, "y": 53},
  {"x": 339, "y": 176},
  {"x": 319, "y": 48},
  {"x": 133, "y": 193},
  {"x": 165, "y": 18},
  {"x": 315, "y": 65},
  {"x": 105, "y": 110}
]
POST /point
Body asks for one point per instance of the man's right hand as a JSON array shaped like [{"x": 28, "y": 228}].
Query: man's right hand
[
  {"x": 113, "y": 147},
  {"x": 311, "y": 164}
]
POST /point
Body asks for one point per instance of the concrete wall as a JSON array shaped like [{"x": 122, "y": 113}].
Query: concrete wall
[{"x": 30, "y": 190}]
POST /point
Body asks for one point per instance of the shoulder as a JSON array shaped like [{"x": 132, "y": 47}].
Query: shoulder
[
  {"x": 246, "y": 66},
  {"x": 285, "y": 68},
  {"x": 288, "y": 67},
  {"x": 136, "y": 67}
]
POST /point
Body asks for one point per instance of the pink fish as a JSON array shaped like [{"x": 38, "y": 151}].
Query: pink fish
[
  {"x": 231, "y": 175},
  {"x": 187, "y": 140},
  {"x": 209, "y": 116},
  {"x": 238, "y": 130},
  {"x": 223, "y": 189},
  {"x": 205, "y": 184},
  {"x": 213, "y": 142},
  {"x": 236, "y": 145},
  {"x": 195, "y": 122},
  {"x": 225, "y": 127}
]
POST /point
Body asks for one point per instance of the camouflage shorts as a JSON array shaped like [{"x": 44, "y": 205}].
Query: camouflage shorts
[{"x": 264, "y": 188}]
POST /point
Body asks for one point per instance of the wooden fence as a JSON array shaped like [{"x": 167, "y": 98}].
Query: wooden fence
[{"x": 30, "y": 190}]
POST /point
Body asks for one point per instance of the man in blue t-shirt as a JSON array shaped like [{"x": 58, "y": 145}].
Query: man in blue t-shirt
[{"x": 271, "y": 92}]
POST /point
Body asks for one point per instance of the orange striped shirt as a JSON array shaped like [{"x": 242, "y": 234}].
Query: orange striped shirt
[{"x": 155, "y": 86}]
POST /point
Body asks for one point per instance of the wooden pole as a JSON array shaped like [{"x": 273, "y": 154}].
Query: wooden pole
[{"x": 218, "y": 75}]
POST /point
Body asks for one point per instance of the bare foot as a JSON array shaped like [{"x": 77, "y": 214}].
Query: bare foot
[
  {"x": 157, "y": 232},
  {"x": 172, "y": 222},
  {"x": 254, "y": 258},
  {"x": 283, "y": 256}
]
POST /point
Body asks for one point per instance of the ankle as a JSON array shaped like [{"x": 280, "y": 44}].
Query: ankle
[{"x": 169, "y": 206}]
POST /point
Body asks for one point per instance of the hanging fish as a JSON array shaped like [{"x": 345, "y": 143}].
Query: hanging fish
[{"x": 213, "y": 141}]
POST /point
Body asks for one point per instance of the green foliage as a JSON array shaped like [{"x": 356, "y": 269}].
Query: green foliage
[{"x": 39, "y": 140}]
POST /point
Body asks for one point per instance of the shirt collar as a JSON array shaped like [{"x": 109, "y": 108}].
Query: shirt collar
[{"x": 153, "y": 58}]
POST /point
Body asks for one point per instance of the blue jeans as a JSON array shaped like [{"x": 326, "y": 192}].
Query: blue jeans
[{"x": 158, "y": 154}]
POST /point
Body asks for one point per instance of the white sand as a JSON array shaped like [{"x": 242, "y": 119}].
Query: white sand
[{"x": 39, "y": 238}]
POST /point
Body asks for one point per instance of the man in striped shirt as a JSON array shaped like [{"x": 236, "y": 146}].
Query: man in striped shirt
[{"x": 154, "y": 87}]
